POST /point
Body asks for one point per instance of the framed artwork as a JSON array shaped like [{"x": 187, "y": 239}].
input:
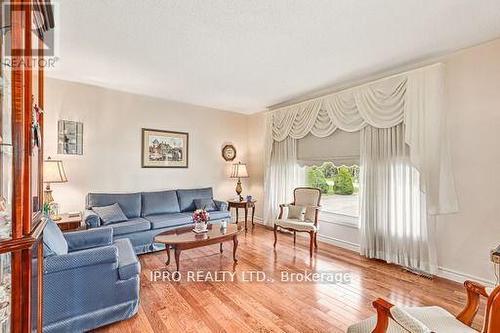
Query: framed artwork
[
  {"x": 164, "y": 149},
  {"x": 69, "y": 137}
]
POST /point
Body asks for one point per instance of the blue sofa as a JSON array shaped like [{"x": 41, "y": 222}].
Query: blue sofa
[
  {"x": 95, "y": 281},
  {"x": 150, "y": 213}
]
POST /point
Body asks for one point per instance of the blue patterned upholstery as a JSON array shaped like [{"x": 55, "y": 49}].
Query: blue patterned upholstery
[
  {"x": 222, "y": 205},
  {"x": 110, "y": 214},
  {"x": 187, "y": 197},
  {"x": 89, "y": 288},
  {"x": 53, "y": 240},
  {"x": 164, "y": 202},
  {"x": 130, "y": 226},
  {"x": 86, "y": 239},
  {"x": 130, "y": 203},
  {"x": 128, "y": 265},
  {"x": 158, "y": 210},
  {"x": 92, "y": 220},
  {"x": 169, "y": 220},
  {"x": 219, "y": 215}
]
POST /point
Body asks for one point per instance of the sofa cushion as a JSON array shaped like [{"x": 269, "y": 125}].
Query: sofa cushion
[
  {"x": 130, "y": 226},
  {"x": 130, "y": 203},
  {"x": 219, "y": 214},
  {"x": 163, "y": 202},
  {"x": 110, "y": 214},
  {"x": 187, "y": 197},
  {"x": 207, "y": 204},
  {"x": 53, "y": 240},
  {"x": 169, "y": 220},
  {"x": 128, "y": 264}
]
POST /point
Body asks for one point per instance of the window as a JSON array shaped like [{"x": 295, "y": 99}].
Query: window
[
  {"x": 332, "y": 165},
  {"x": 339, "y": 186}
]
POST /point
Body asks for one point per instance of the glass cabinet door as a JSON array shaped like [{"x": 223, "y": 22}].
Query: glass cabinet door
[
  {"x": 6, "y": 150},
  {"x": 6, "y": 177}
]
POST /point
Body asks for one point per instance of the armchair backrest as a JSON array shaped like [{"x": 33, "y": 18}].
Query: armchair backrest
[{"x": 307, "y": 196}]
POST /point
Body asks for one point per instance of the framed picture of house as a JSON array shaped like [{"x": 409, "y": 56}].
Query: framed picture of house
[{"x": 164, "y": 149}]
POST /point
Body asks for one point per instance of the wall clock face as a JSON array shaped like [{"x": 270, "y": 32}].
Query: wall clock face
[{"x": 229, "y": 152}]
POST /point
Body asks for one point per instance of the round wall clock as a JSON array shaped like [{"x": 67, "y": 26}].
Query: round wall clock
[{"x": 229, "y": 152}]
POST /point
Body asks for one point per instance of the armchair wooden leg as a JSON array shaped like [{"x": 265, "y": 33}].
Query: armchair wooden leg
[
  {"x": 275, "y": 235},
  {"x": 316, "y": 239},
  {"x": 294, "y": 237},
  {"x": 311, "y": 243}
]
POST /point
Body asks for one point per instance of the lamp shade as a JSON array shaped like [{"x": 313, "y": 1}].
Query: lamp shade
[
  {"x": 239, "y": 170},
  {"x": 53, "y": 171}
]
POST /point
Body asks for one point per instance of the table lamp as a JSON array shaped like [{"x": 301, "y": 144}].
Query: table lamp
[
  {"x": 239, "y": 171},
  {"x": 53, "y": 172}
]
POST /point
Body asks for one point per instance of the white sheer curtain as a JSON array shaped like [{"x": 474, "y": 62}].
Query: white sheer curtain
[
  {"x": 282, "y": 177},
  {"x": 394, "y": 222}
]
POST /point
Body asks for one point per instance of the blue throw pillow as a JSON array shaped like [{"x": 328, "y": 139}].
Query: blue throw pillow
[
  {"x": 207, "y": 204},
  {"x": 110, "y": 214},
  {"x": 53, "y": 240}
]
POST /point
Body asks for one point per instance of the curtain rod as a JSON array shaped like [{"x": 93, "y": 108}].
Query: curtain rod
[{"x": 290, "y": 103}]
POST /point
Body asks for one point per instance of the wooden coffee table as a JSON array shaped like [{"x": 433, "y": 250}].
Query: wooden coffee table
[{"x": 185, "y": 238}]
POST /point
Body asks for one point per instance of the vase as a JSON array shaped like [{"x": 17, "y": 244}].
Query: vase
[{"x": 200, "y": 226}]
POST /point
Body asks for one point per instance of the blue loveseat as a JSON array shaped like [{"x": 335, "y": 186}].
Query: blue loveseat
[{"x": 150, "y": 213}]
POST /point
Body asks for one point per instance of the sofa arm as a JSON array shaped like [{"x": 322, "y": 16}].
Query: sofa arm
[
  {"x": 221, "y": 205},
  {"x": 92, "y": 220},
  {"x": 128, "y": 263},
  {"x": 79, "y": 259},
  {"x": 86, "y": 239}
]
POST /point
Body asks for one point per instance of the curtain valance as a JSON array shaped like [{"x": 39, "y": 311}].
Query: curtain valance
[
  {"x": 415, "y": 98},
  {"x": 380, "y": 104}
]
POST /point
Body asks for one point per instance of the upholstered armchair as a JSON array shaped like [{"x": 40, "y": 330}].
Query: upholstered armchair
[
  {"x": 393, "y": 319},
  {"x": 302, "y": 215},
  {"x": 89, "y": 280}
]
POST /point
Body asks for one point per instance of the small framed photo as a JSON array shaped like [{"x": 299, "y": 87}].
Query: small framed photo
[
  {"x": 164, "y": 149},
  {"x": 69, "y": 137}
]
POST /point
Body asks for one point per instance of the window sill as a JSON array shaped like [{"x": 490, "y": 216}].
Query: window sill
[{"x": 339, "y": 219}]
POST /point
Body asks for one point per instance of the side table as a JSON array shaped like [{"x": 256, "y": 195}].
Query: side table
[
  {"x": 245, "y": 205},
  {"x": 67, "y": 223}
]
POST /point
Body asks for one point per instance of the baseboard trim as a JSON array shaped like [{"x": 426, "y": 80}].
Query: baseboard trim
[
  {"x": 443, "y": 272},
  {"x": 461, "y": 277},
  {"x": 339, "y": 242}
]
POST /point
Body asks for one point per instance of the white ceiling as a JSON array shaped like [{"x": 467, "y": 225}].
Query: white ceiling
[{"x": 243, "y": 55}]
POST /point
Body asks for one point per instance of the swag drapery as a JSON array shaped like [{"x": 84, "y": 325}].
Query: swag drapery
[{"x": 413, "y": 99}]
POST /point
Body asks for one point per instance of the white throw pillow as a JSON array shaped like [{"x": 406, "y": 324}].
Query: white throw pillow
[
  {"x": 310, "y": 214},
  {"x": 296, "y": 212},
  {"x": 408, "y": 322}
]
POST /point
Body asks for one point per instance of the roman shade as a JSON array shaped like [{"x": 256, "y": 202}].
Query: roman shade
[{"x": 340, "y": 147}]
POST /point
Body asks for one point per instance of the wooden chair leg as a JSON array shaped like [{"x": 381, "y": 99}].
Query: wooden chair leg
[
  {"x": 316, "y": 239},
  {"x": 311, "y": 243},
  {"x": 275, "y": 235},
  {"x": 294, "y": 237}
]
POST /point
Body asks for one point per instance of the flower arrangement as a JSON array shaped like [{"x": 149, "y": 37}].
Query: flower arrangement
[{"x": 200, "y": 218}]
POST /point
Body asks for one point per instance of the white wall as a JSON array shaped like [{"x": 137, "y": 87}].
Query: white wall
[
  {"x": 464, "y": 239},
  {"x": 112, "y": 142}
]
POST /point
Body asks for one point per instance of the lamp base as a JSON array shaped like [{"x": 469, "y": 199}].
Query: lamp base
[{"x": 239, "y": 189}]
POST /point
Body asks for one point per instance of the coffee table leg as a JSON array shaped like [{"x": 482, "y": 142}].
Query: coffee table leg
[
  {"x": 177, "y": 254},
  {"x": 235, "y": 246},
  {"x": 221, "y": 248},
  {"x": 168, "y": 254}
]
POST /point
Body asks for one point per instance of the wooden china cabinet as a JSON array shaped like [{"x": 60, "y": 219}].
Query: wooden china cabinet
[{"x": 24, "y": 27}]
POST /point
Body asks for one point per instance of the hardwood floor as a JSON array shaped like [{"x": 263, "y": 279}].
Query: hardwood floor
[{"x": 277, "y": 306}]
